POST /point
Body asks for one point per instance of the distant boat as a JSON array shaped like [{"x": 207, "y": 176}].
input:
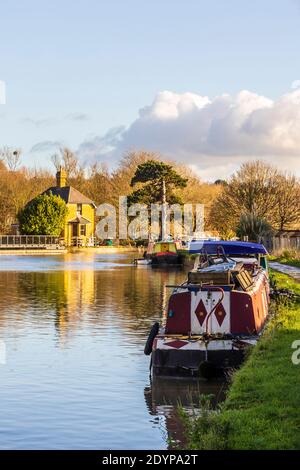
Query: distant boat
[
  {"x": 216, "y": 315},
  {"x": 164, "y": 253}
]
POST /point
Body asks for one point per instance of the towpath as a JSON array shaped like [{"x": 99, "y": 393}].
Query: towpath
[{"x": 286, "y": 269}]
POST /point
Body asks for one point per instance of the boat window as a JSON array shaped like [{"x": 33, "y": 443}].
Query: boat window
[{"x": 263, "y": 262}]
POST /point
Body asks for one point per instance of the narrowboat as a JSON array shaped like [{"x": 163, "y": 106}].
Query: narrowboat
[
  {"x": 216, "y": 314},
  {"x": 164, "y": 253}
]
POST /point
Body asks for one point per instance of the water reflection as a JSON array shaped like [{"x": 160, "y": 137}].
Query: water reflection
[
  {"x": 75, "y": 328},
  {"x": 164, "y": 396},
  {"x": 131, "y": 297}
]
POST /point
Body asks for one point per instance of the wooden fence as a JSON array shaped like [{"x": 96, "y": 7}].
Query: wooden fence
[
  {"x": 29, "y": 241},
  {"x": 279, "y": 243}
]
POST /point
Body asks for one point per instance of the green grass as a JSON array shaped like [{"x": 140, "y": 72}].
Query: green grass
[{"x": 262, "y": 408}]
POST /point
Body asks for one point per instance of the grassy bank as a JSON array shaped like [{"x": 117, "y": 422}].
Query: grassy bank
[{"x": 262, "y": 409}]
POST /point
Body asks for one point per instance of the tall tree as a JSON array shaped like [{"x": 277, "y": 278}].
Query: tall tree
[
  {"x": 157, "y": 183},
  {"x": 99, "y": 186},
  {"x": 252, "y": 190},
  {"x": 122, "y": 176},
  {"x": 67, "y": 159},
  {"x": 288, "y": 201}
]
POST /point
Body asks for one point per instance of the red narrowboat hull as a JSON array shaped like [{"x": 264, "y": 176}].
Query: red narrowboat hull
[
  {"x": 165, "y": 259},
  {"x": 209, "y": 328}
]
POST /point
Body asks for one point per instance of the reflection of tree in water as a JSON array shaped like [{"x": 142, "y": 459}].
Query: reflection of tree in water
[{"x": 163, "y": 397}]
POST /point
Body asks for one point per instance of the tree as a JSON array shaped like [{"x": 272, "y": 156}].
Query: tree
[
  {"x": 260, "y": 189},
  {"x": 16, "y": 189},
  {"x": 288, "y": 201},
  {"x": 44, "y": 215},
  {"x": 158, "y": 181},
  {"x": 98, "y": 186},
  {"x": 11, "y": 157},
  {"x": 67, "y": 159},
  {"x": 252, "y": 190},
  {"x": 253, "y": 227},
  {"x": 122, "y": 176},
  {"x": 220, "y": 182}
]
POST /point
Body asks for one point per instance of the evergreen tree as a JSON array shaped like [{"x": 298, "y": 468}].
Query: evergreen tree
[{"x": 44, "y": 215}]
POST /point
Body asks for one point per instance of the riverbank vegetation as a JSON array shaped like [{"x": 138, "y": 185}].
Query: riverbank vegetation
[
  {"x": 44, "y": 215},
  {"x": 254, "y": 201},
  {"x": 262, "y": 408},
  {"x": 19, "y": 184}
]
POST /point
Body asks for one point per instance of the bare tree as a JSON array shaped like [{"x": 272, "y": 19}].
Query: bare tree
[
  {"x": 252, "y": 190},
  {"x": 11, "y": 157},
  {"x": 68, "y": 160},
  {"x": 56, "y": 160},
  {"x": 288, "y": 201}
]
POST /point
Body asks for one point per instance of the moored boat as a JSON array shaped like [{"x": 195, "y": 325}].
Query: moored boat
[
  {"x": 164, "y": 253},
  {"x": 216, "y": 315}
]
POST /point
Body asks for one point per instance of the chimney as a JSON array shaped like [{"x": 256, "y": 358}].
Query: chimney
[{"x": 61, "y": 177}]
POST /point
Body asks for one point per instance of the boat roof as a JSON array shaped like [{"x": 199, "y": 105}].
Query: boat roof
[{"x": 232, "y": 248}]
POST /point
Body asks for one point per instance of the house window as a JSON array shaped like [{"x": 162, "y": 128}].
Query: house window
[
  {"x": 79, "y": 209},
  {"x": 83, "y": 230}
]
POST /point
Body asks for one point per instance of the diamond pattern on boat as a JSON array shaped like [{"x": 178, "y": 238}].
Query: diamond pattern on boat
[
  {"x": 201, "y": 312},
  {"x": 177, "y": 344},
  {"x": 220, "y": 314}
]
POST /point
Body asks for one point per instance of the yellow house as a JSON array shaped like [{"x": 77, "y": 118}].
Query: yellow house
[{"x": 80, "y": 223}]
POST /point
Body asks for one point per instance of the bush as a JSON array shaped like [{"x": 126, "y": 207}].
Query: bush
[
  {"x": 253, "y": 227},
  {"x": 44, "y": 215}
]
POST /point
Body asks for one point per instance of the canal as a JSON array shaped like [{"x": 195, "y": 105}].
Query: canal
[{"x": 73, "y": 372}]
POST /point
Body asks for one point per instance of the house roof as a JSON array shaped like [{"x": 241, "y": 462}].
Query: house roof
[
  {"x": 70, "y": 195},
  {"x": 79, "y": 220}
]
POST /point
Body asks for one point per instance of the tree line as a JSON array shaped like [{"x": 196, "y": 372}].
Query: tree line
[{"x": 254, "y": 201}]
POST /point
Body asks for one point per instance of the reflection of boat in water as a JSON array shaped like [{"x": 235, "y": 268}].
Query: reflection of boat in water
[
  {"x": 213, "y": 318},
  {"x": 142, "y": 261},
  {"x": 163, "y": 397}
]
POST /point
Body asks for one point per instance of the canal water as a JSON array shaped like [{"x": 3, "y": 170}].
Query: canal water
[{"x": 73, "y": 373}]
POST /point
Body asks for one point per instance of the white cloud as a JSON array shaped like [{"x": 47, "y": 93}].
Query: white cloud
[
  {"x": 45, "y": 122},
  {"x": 96, "y": 146},
  {"x": 77, "y": 117},
  {"x": 295, "y": 84},
  {"x": 46, "y": 146},
  {"x": 214, "y": 135}
]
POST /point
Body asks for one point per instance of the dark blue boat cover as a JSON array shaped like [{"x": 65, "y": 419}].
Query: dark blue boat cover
[{"x": 229, "y": 248}]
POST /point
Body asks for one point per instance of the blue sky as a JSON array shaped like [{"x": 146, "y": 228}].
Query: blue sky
[{"x": 75, "y": 69}]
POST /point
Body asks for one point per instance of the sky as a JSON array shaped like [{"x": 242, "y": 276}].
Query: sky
[{"x": 207, "y": 83}]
